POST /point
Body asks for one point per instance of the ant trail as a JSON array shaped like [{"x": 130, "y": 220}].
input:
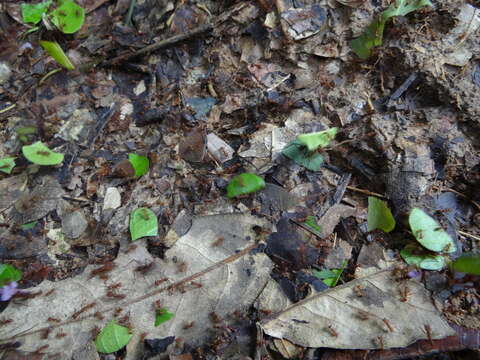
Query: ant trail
[{"x": 125, "y": 304}]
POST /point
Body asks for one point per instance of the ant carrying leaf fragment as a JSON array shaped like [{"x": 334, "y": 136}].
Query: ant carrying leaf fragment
[{"x": 143, "y": 222}]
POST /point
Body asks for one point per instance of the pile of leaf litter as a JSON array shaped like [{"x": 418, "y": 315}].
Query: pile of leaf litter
[{"x": 204, "y": 179}]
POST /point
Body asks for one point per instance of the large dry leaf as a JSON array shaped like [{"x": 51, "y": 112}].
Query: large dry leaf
[
  {"x": 231, "y": 280},
  {"x": 39, "y": 202},
  {"x": 337, "y": 318},
  {"x": 11, "y": 189}
]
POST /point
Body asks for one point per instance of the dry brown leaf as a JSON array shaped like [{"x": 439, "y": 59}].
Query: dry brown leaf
[{"x": 366, "y": 313}]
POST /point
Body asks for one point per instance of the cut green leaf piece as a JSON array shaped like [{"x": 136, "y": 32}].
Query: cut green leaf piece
[
  {"x": 140, "y": 164},
  {"x": 467, "y": 263},
  {"x": 24, "y": 132},
  {"x": 299, "y": 153},
  {"x": 7, "y": 164},
  {"x": 9, "y": 273},
  {"x": 317, "y": 139},
  {"x": 55, "y": 51},
  {"x": 143, "y": 222},
  {"x": 379, "y": 215},
  {"x": 429, "y": 233},
  {"x": 68, "y": 17},
  {"x": 330, "y": 277},
  {"x": 162, "y": 316},
  {"x": 28, "y": 226},
  {"x": 373, "y": 34},
  {"x": 243, "y": 184},
  {"x": 311, "y": 222},
  {"x": 38, "y": 153},
  {"x": 32, "y": 13},
  {"x": 415, "y": 255},
  {"x": 112, "y": 338}
]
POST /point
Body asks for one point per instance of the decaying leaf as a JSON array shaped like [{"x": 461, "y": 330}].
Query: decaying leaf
[
  {"x": 194, "y": 280},
  {"x": 367, "y": 313},
  {"x": 39, "y": 202}
]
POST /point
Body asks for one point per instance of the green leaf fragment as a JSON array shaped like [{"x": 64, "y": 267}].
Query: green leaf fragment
[
  {"x": 373, "y": 34},
  {"x": 317, "y": 139},
  {"x": 9, "y": 273},
  {"x": 311, "y": 222},
  {"x": 429, "y": 233},
  {"x": 112, "y": 338},
  {"x": 405, "y": 7},
  {"x": 143, "y": 222},
  {"x": 7, "y": 164},
  {"x": 330, "y": 277},
  {"x": 38, "y": 153},
  {"x": 68, "y": 17},
  {"x": 467, "y": 263},
  {"x": 325, "y": 274},
  {"x": 54, "y": 49},
  {"x": 379, "y": 215},
  {"x": 32, "y": 13},
  {"x": 28, "y": 226},
  {"x": 244, "y": 184},
  {"x": 163, "y": 315},
  {"x": 415, "y": 255},
  {"x": 299, "y": 153},
  {"x": 139, "y": 163}
]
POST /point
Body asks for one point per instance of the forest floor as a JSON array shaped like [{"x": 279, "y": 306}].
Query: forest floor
[{"x": 229, "y": 86}]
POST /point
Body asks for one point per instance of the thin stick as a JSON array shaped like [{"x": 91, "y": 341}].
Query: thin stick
[
  {"x": 47, "y": 75},
  {"x": 159, "y": 44},
  {"x": 468, "y": 235},
  {"x": 367, "y": 192},
  {"x": 10, "y": 107},
  {"x": 458, "y": 193}
]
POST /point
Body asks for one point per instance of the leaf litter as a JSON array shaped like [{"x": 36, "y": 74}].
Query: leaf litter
[{"x": 220, "y": 90}]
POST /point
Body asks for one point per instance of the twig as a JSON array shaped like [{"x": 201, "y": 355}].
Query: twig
[
  {"x": 10, "y": 107},
  {"x": 159, "y": 45},
  {"x": 47, "y": 75},
  {"x": 367, "y": 192},
  {"x": 469, "y": 235},
  {"x": 439, "y": 188}
]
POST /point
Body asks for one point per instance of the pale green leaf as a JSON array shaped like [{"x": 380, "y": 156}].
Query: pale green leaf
[
  {"x": 68, "y": 17},
  {"x": 244, "y": 184},
  {"x": 429, "y": 233},
  {"x": 316, "y": 140},
  {"x": 112, "y": 338},
  {"x": 9, "y": 273},
  {"x": 330, "y": 277},
  {"x": 379, "y": 215},
  {"x": 32, "y": 13},
  {"x": 139, "y": 163},
  {"x": 163, "y": 315},
  {"x": 143, "y": 222},
  {"x": 55, "y": 51},
  {"x": 299, "y": 153},
  {"x": 7, "y": 164},
  {"x": 38, "y": 153},
  {"x": 415, "y": 255}
]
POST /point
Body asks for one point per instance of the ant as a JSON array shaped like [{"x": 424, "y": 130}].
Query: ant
[{"x": 83, "y": 309}]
